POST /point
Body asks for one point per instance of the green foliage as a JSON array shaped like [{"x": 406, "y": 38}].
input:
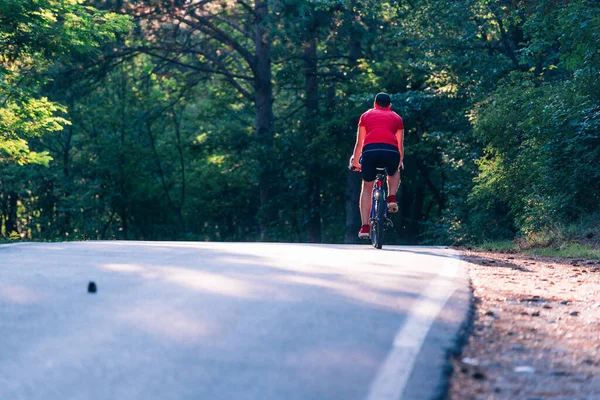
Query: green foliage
[
  {"x": 543, "y": 152},
  {"x": 538, "y": 126},
  {"x": 35, "y": 34},
  {"x": 28, "y": 118},
  {"x": 501, "y": 104},
  {"x": 41, "y": 31}
]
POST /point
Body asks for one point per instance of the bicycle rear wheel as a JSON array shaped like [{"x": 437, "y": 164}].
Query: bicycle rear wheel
[{"x": 377, "y": 224}]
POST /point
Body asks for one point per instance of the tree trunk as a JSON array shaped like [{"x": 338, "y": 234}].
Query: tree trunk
[
  {"x": 354, "y": 180},
  {"x": 353, "y": 221},
  {"x": 47, "y": 208},
  {"x": 417, "y": 213},
  {"x": 10, "y": 224},
  {"x": 177, "y": 125},
  {"x": 122, "y": 196},
  {"x": 356, "y": 34},
  {"x": 311, "y": 129},
  {"x": 66, "y": 223},
  {"x": 264, "y": 111},
  {"x": 314, "y": 204}
]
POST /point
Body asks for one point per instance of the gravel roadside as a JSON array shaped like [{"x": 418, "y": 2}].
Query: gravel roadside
[{"x": 536, "y": 330}]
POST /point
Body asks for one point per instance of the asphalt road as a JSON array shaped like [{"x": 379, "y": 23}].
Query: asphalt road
[{"x": 227, "y": 321}]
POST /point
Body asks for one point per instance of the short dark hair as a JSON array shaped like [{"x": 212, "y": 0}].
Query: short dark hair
[{"x": 383, "y": 99}]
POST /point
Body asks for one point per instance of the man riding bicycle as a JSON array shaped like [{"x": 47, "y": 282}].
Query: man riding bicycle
[{"x": 379, "y": 144}]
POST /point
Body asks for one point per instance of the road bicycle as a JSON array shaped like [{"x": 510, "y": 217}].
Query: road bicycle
[{"x": 379, "y": 218}]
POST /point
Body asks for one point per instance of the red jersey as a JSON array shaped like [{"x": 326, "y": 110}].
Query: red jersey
[{"x": 381, "y": 125}]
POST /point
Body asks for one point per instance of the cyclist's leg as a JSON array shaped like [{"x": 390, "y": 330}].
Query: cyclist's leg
[
  {"x": 392, "y": 163},
  {"x": 393, "y": 183},
  {"x": 368, "y": 175},
  {"x": 365, "y": 202}
]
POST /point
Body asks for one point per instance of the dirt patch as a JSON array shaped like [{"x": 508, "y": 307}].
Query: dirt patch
[{"x": 536, "y": 330}]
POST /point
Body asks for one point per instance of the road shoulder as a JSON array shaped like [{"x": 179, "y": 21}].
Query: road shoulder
[{"x": 535, "y": 332}]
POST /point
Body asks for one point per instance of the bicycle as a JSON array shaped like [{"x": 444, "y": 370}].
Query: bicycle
[{"x": 379, "y": 218}]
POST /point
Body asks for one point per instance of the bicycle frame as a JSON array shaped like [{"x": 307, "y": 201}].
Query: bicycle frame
[{"x": 378, "y": 193}]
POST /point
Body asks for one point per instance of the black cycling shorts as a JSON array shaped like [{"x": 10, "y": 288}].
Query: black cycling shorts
[{"x": 379, "y": 155}]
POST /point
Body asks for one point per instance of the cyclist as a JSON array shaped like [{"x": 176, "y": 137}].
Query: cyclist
[{"x": 379, "y": 143}]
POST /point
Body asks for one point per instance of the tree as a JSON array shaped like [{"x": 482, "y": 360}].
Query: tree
[
  {"x": 33, "y": 36},
  {"x": 233, "y": 41}
]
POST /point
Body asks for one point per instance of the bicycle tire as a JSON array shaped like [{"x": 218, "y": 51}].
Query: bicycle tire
[
  {"x": 377, "y": 225},
  {"x": 374, "y": 232},
  {"x": 380, "y": 223}
]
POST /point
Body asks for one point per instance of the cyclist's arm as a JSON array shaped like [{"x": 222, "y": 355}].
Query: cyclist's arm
[
  {"x": 360, "y": 137},
  {"x": 400, "y": 138}
]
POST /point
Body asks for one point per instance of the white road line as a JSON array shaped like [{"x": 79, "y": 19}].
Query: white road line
[{"x": 392, "y": 377}]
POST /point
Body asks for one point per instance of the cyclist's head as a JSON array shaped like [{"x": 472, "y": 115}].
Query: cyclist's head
[{"x": 383, "y": 100}]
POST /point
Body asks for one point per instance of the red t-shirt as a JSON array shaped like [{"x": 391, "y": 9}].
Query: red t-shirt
[{"x": 381, "y": 125}]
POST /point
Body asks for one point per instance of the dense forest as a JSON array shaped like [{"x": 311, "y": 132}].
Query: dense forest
[{"x": 234, "y": 120}]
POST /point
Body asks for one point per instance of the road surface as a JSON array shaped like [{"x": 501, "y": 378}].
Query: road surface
[{"x": 227, "y": 321}]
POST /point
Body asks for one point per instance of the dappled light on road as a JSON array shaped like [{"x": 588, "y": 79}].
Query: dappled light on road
[
  {"x": 18, "y": 294},
  {"x": 166, "y": 323},
  {"x": 124, "y": 268},
  {"x": 270, "y": 272},
  {"x": 210, "y": 282},
  {"x": 351, "y": 290}
]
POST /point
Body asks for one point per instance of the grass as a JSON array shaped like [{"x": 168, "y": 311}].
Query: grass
[
  {"x": 563, "y": 250},
  {"x": 580, "y": 239},
  {"x": 498, "y": 246},
  {"x": 568, "y": 250}
]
